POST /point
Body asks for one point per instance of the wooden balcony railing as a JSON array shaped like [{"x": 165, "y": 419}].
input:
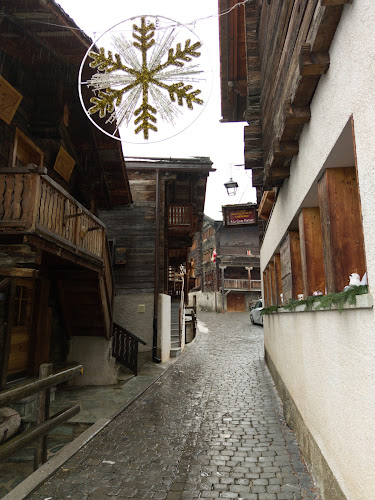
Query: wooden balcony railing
[
  {"x": 256, "y": 284},
  {"x": 242, "y": 284},
  {"x": 180, "y": 216},
  {"x": 32, "y": 203}
]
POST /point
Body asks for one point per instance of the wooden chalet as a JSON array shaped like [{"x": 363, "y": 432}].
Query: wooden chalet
[
  {"x": 227, "y": 274},
  {"x": 56, "y": 171},
  {"x": 152, "y": 238}
]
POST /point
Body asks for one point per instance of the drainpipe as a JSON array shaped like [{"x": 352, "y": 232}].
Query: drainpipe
[{"x": 157, "y": 267}]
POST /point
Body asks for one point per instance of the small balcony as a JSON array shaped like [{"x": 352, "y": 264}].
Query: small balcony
[
  {"x": 180, "y": 217},
  {"x": 242, "y": 284},
  {"x": 31, "y": 203}
]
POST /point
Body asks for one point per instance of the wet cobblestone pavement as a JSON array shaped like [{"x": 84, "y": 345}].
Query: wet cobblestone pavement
[{"x": 210, "y": 427}]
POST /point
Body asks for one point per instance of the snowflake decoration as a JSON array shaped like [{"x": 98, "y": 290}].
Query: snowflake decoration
[{"x": 144, "y": 78}]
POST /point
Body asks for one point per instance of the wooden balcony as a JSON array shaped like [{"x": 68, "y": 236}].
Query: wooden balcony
[
  {"x": 242, "y": 284},
  {"x": 31, "y": 203},
  {"x": 180, "y": 217}
]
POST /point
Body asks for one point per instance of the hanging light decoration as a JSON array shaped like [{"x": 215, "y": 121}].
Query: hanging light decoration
[{"x": 231, "y": 186}]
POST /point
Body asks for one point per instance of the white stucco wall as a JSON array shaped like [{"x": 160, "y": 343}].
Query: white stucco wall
[
  {"x": 329, "y": 372},
  {"x": 95, "y": 355},
  {"x": 130, "y": 313},
  {"x": 327, "y": 359},
  {"x": 206, "y": 301},
  {"x": 164, "y": 327},
  {"x": 126, "y": 314}
]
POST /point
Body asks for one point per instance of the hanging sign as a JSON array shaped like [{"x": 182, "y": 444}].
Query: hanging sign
[
  {"x": 240, "y": 216},
  {"x": 10, "y": 99},
  {"x": 140, "y": 81}
]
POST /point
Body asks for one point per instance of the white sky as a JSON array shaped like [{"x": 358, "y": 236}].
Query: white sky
[{"x": 222, "y": 142}]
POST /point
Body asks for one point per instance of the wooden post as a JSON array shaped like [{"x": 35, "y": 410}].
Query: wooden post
[
  {"x": 279, "y": 288},
  {"x": 342, "y": 231},
  {"x": 40, "y": 452},
  {"x": 266, "y": 298},
  {"x": 312, "y": 258},
  {"x": 41, "y": 328},
  {"x": 273, "y": 284},
  {"x": 4, "y": 356},
  {"x": 291, "y": 271}
]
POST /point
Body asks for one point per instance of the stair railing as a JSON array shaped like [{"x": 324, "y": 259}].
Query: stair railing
[{"x": 125, "y": 347}]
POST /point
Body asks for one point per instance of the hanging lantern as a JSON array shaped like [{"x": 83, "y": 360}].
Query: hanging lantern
[{"x": 231, "y": 187}]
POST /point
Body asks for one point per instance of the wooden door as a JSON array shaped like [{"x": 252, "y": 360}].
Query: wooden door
[
  {"x": 20, "y": 335},
  {"x": 236, "y": 302}
]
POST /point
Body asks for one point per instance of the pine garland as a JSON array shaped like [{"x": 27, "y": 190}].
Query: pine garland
[{"x": 311, "y": 303}]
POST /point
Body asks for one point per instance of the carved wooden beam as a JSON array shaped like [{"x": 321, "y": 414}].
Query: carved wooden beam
[
  {"x": 285, "y": 149},
  {"x": 296, "y": 115},
  {"x": 313, "y": 63},
  {"x": 333, "y": 3}
]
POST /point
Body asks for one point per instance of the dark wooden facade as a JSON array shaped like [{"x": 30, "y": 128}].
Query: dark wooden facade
[
  {"x": 56, "y": 171},
  {"x": 230, "y": 256},
  {"x": 168, "y": 201},
  {"x": 288, "y": 46},
  {"x": 287, "y": 50}
]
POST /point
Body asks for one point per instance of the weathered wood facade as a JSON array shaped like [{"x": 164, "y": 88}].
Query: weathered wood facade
[
  {"x": 230, "y": 258},
  {"x": 56, "y": 171},
  {"x": 153, "y": 236}
]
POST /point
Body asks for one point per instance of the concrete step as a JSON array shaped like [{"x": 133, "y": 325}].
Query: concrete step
[{"x": 175, "y": 352}]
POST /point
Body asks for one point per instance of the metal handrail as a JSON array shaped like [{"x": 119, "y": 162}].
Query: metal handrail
[{"x": 125, "y": 347}]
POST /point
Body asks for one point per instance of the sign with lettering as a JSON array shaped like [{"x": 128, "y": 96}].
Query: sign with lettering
[
  {"x": 64, "y": 164},
  {"x": 235, "y": 217},
  {"x": 10, "y": 99}
]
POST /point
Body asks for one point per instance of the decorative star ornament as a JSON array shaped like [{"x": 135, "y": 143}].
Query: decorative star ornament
[{"x": 147, "y": 78}]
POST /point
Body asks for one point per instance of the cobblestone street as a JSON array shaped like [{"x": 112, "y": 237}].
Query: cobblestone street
[{"x": 210, "y": 427}]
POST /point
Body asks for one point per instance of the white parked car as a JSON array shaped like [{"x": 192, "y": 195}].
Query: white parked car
[{"x": 255, "y": 313}]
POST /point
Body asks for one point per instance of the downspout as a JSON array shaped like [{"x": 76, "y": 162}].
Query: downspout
[{"x": 157, "y": 266}]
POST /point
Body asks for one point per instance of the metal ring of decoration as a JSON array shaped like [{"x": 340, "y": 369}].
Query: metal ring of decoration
[{"x": 136, "y": 80}]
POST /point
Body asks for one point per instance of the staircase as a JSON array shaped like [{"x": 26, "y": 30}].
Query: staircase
[
  {"x": 86, "y": 299},
  {"x": 175, "y": 329}
]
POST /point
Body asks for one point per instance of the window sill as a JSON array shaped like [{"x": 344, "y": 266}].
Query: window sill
[{"x": 364, "y": 301}]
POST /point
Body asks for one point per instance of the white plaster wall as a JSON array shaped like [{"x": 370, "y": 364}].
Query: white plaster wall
[
  {"x": 164, "y": 327},
  {"x": 126, "y": 314},
  {"x": 327, "y": 359},
  {"x": 206, "y": 301},
  {"x": 329, "y": 372},
  {"x": 141, "y": 323},
  {"x": 95, "y": 355}
]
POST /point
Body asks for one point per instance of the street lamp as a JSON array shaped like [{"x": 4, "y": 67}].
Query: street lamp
[{"x": 231, "y": 187}]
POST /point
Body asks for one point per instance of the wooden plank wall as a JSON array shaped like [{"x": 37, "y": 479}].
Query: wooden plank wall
[
  {"x": 288, "y": 45},
  {"x": 342, "y": 229},
  {"x": 133, "y": 227},
  {"x": 312, "y": 258},
  {"x": 291, "y": 271}
]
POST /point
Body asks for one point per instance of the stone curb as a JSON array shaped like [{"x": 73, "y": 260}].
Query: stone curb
[{"x": 30, "y": 484}]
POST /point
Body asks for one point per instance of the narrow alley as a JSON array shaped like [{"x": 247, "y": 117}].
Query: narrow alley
[{"x": 210, "y": 427}]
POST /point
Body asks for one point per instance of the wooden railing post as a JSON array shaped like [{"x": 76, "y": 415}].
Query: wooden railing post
[{"x": 40, "y": 452}]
